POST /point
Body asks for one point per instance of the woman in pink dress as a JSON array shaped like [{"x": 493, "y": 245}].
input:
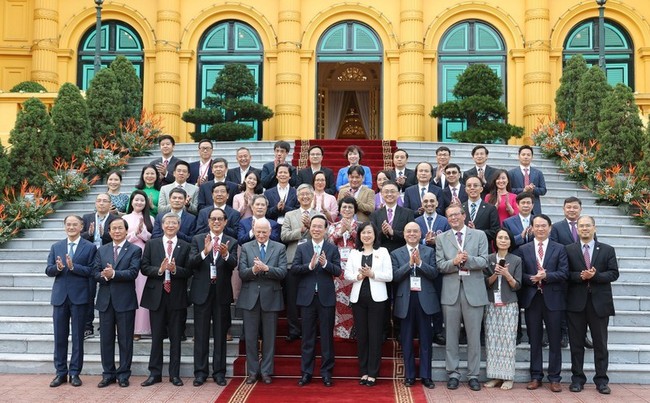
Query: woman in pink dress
[
  {"x": 140, "y": 224},
  {"x": 343, "y": 234},
  {"x": 242, "y": 201},
  {"x": 501, "y": 195},
  {"x": 324, "y": 202}
]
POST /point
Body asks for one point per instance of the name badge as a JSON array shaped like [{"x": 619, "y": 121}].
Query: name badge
[
  {"x": 213, "y": 272},
  {"x": 302, "y": 240},
  {"x": 416, "y": 283},
  {"x": 463, "y": 272},
  {"x": 497, "y": 298},
  {"x": 344, "y": 252}
]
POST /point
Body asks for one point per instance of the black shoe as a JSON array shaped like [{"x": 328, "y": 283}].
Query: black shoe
[
  {"x": 371, "y": 383},
  {"x": 88, "y": 334},
  {"x": 588, "y": 343},
  {"x": 220, "y": 380},
  {"x": 151, "y": 380},
  {"x": 266, "y": 379},
  {"x": 452, "y": 384},
  {"x": 545, "y": 340},
  {"x": 293, "y": 337},
  {"x": 124, "y": 383},
  {"x": 575, "y": 387},
  {"x": 363, "y": 381},
  {"x": 304, "y": 380},
  {"x": 198, "y": 381},
  {"x": 519, "y": 340},
  {"x": 251, "y": 379},
  {"x": 428, "y": 383},
  {"x": 440, "y": 339},
  {"x": 565, "y": 341},
  {"x": 474, "y": 384},
  {"x": 75, "y": 380},
  {"x": 105, "y": 382},
  {"x": 176, "y": 381},
  {"x": 604, "y": 389},
  {"x": 409, "y": 382},
  {"x": 58, "y": 381},
  {"x": 327, "y": 382},
  {"x": 183, "y": 338}
]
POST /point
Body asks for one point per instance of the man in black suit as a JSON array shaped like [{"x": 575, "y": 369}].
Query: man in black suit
[
  {"x": 213, "y": 258},
  {"x": 592, "y": 269},
  {"x": 413, "y": 194},
  {"x": 443, "y": 155},
  {"x": 306, "y": 175},
  {"x": 455, "y": 191},
  {"x": 70, "y": 262},
  {"x": 481, "y": 169},
  {"x": 201, "y": 170},
  {"x": 269, "y": 170},
  {"x": 219, "y": 197},
  {"x": 391, "y": 218},
  {"x": 165, "y": 263},
  {"x": 219, "y": 169},
  {"x": 238, "y": 174},
  {"x": 317, "y": 263},
  {"x": 115, "y": 268},
  {"x": 544, "y": 282},
  {"x": 400, "y": 174},
  {"x": 479, "y": 214},
  {"x": 165, "y": 164}
]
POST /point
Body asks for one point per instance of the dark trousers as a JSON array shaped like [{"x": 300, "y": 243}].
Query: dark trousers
[
  {"x": 167, "y": 319},
  {"x": 416, "y": 322},
  {"x": 63, "y": 316},
  {"x": 124, "y": 323},
  {"x": 438, "y": 318},
  {"x": 90, "y": 310},
  {"x": 536, "y": 314},
  {"x": 219, "y": 315},
  {"x": 369, "y": 323},
  {"x": 578, "y": 322},
  {"x": 316, "y": 315},
  {"x": 290, "y": 289}
]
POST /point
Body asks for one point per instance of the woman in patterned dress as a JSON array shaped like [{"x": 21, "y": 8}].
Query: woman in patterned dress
[
  {"x": 343, "y": 234},
  {"x": 503, "y": 279},
  {"x": 119, "y": 200}
]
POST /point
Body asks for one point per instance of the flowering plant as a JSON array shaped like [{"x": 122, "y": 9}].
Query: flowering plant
[
  {"x": 137, "y": 137},
  {"x": 101, "y": 161},
  {"x": 580, "y": 162},
  {"x": 68, "y": 182},
  {"x": 617, "y": 187},
  {"x": 27, "y": 207},
  {"x": 8, "y": 225},
  {"x": 553, "y": 139}
]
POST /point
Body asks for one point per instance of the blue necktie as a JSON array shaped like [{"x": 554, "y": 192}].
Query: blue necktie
[
  {"x": 263, "y": 251},
  {"x": 430, "y": 223},
  {"x": 71, "y": 249}
]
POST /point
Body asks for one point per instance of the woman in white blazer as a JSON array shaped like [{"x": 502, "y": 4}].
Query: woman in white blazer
[{"x": 369, "y": 267}]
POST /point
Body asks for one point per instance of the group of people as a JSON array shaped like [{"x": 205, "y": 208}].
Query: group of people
[{"x": 436, "y": 254}]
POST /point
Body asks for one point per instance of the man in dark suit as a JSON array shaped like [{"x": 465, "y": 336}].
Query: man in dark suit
[
  {"x": 282, "y": 197},
  {"x": 116, "y": 266},
  {"x": 213, "y": 258},
  {"x": 259, "y": 205},
  {"x": 479, "y": 214},
  {"x": 544, "y": 282},
  {"x": 219, "y": 169},
  {"x": 454, "y": 192},
  {"x": 317, "y": 262},
  {"x": 201, "y": 170},
  {"x": 238, "y": 174},
  {"x": 416, "y": 300},
  {"x": 187, "y": 227},
  {"x": 219, "y": 197},
  {"x": 269, "y": 170},
  {"x": 165, "y": 263},
  {"x": 400, "y": 174},
  {"x": 443, "y": 155},
  {"x": 70, "y": 262},
  {"x": 528, "y": 179},
  {"x": 592, "y": 269},
  {"x": 391, "y": 218},
  {"x": 306, "y": 175},
  {"x": 262, "y": 266},
  {"x": 521, "y": 225},
  {"x": 481, "y": 169},
  {"x": 413, "y": 194},
  {"x": 165, "y": 164}
]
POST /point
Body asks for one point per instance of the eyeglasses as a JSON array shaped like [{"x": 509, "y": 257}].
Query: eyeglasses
[
  {"x": 205, "y": 148},
  {"x": 452, "y": 215},
  {"x": 218, "y": 219}
]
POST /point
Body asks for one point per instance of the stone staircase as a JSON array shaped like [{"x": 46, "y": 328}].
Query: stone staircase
[{"x": 26, "y": 340}]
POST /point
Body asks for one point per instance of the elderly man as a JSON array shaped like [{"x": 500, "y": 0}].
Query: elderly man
[
  {"x": 259, "y": 205},
  {"x": 262, "y": 266}
]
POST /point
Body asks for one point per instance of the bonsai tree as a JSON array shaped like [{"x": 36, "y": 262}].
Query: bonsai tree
[
  {"x": 28, "y": 86},
  {"x": 129, "y": 87},
  {"x": 592, "y": 90},
  {"x": 620, "y": 130},
  {"x": 478, "y": 101},
  {"x": 233, "y": 104},
  {"x": 104, "y": 104},
  {"x": 30, "y": 155},
  {"x": 71, "y": 126},
  {"x": 566, "y": 95}
]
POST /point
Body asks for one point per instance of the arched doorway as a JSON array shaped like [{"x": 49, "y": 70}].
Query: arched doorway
[{"x": 348, "y": 102}]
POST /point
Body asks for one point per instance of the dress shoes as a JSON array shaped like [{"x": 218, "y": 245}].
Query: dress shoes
[
  {"x": 124, "y": 383},
  {"x": 267, "y": 379},
  {"x": 58, "y": 381},
  {"x": 452, "y": 383},
  {"x": 371, "y": 382},
  {"x": 176, "y": 381},
  {"x": 220, "y": 380},
  {"x": 474, "y": 384},
  {"x": 588, "y": 342},
  {"x": 304, "y": 380},
  {"x": 556, "y": 387},
  {"x": 603, "y": 389},
  {"x": 428, "y": 383},
  {"x": 75, "y": 380},
  {"x": 534, "y": 384},
  {"x": 575, "y": 387},
  {"x": 151, "y": 380},
  {"x": 565, "y": 341},
  {"x": 327, "y": 382},
  {"x": 105, "y": 382},
  {"x": 440, "y": 339},
  {"x": 409, "y": 382},
  {"x": 251, "y": 379},
  {"x": 363, "y": 381},
  {"x": 292, "y": 337},
  {"x": 198, "y": 381}
]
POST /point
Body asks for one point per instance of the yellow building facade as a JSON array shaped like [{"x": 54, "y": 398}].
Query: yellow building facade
[{"x": 332, "y": 69}]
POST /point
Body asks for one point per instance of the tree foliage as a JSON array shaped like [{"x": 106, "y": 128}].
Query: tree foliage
[
  {"x": 231, "y": 106},
  {"x": 71, "y": 126},
  {"x": 130, "y": 88},
  {"x": 592, "y": 90},
  {"x": 30, "y": 155},
  {"x": 4, "y": 168},
  {"x": 477, "y": 95},
  {"x": 567, "y": 94},
  {"x": 104, "y": 104},
  {"x": 28, "y": 86}
]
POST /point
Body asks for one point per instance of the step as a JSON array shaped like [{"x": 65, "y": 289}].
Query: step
[
  {"x": 628, "y": 303},
  {"x": 23, "y": 266},
  {"x": 20, "y": 309},
  {"x": 26, "y": 280},
  {"x": 17, "y": 254},
  {"x": 630, "y": 289}
]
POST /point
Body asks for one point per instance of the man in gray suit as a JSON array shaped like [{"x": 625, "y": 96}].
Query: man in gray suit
[
  {"x": 262, "y": 266},
  {"x": 461, "y": 256}
]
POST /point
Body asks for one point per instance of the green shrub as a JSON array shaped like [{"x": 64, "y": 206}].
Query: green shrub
[{"x": 28, "y": 86}]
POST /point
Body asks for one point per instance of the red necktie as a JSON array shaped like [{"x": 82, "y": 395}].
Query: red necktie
[
  {"x": 587, "y": 257},
  {"x": 167, "y": 285},
  {"x": 215, "y": 252},
  {"x": 526, "y": 177},
  {"x": 540, "y": 253}
]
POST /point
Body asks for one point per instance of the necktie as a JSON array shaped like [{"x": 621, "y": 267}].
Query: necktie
[
  {"x": 71, "y": 248},
  {"x": 390, "y": 215},
  {"x": 100, "y": 228},
  {"x": 459, "y": 238},
  {"x": 574, "y": 231},
  {"x": 472, "y": 212},
  {"x": 263, "y": 251},
  {"x": 317, "y": 249},
  {"x": 526, "y": 177},
  {"x": 400, "y": 174},
  {"x": 165, "y": 163},
  {"x": 215, "y": 247},
  {"x": 116, "y": 253},
  {"x": 422, "y": 192},
  {"x": 540, "y": 253},
  {"x": 454, "y": 198},
  {"x": 429, "y": 223},
  {"x": 585, "y": 253},
  {"x": 480, "y": 172},
  {"x": 167, "y": 285}
]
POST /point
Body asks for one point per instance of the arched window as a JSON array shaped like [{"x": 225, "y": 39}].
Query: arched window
[
  {"x": 468, "y": 42},
  {"x": 229, "y": 42},
  {"x": 619, "y": 55},
  {"x": 117, "y": 38}
]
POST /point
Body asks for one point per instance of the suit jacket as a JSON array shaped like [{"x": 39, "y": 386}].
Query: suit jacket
[
  {"x": 447, "y": 197},
  {"x": 169, "y": 178},
  {"x": 365, "y": 202},
  {"x": 200, "y": 287},
  {"x": 440, "y": 225},
  {"x": 437, "y": 183},
  {"x": 401, "y": 217},
  {"x": 195, "y": 169},
  {"x": 323, "y": 276},
  {"x": 268, "y": 175},
  {"x": 306, "y": 175},
  {"x": 410, "y": 178},
  {"x": 486, "y": 220},
  {"x": 152, "y": 257},
  {"x": 120, "y": 290},
  {"x": 600, "y": 285},
  {"x": 163, "y": 198},
  {"x": 264, "y": 286},
  {"x": 557, "y": 273},
  {"x": 272, "y": 195},
  {"x": 508, "y": 294},
  {"x": 382, "y": 269},
  {"x": 205, "y": 199},
  {"x": 402, "y": 272},
  {"x": 185, "y": 232},
  {"x": 513, "y": 224},
  {"x": 476, "y": 246},
  {"x": 537, "y": 177},
  {"x": 291, "y": 232},
  {"x": 73, "y": 283},
  {"x": 234, "y": 175},
  {"x": 231, "y": 228},
  {"x": 561, "y": 233},
  {"x": 488, "y": 171},
  {"x": 89, "y": 219},
  {"x": 245, "y": 227},
  {"x": 413, "y": 199}
]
